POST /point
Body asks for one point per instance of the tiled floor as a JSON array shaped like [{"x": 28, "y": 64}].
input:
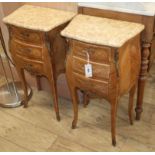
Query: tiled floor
[{"x": 36, "y": 129}]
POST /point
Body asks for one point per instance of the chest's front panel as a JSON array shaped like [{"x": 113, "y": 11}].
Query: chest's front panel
[
  {"x": 28, "y": 49},
  {"x": 111, "y": 67},
  {"x": 101, "y": 59}
]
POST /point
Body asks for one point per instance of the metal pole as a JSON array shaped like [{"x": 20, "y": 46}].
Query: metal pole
[
  {"x": 11, "y": 93},
  {"x": 4, "y": 48},
  {"x": 7, "y": 82}
]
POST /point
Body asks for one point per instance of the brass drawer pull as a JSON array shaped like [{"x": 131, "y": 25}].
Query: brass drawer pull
[
  {"x": 29, "y": 67},
  {"x": 87, "y": 50},
  {"x": 25, "y": 34}
]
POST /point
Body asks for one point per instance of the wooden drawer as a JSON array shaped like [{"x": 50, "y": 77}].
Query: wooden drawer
[
  {"x": 26, "y": 35},
  {"x": 31, "y": 52},
  {"x": 35, "y": 67},
  {"x": 92, "y": 85},
  {"x": 96, "y": 53},
  {"x": 100, "y": 71}
]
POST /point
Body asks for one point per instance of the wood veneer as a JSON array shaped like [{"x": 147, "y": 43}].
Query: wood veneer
[
  {"x": 112, "y": 77},
  {"x": 41, "y": 54},
  {"x": 147, "y": 44}
]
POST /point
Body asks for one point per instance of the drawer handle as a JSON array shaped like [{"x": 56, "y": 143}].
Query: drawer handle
[
  {"x": 29, "y": 67},
  {"x": 25, "y": 34},
  {"x": 87, "y": 50}
]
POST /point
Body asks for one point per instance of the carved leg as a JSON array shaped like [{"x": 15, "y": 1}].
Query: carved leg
[
  {"x": 114, "y": 103},
  {"x": 38, "y": 83},
  {"x": 85, "y": 99},
  {"x": 24, "y": 85},
  {"x": 74, "y": 96},
  {"x": 73, "y": 91},
  {"x": 131, "y": 99},
  {"x": 142, "y": 78},
  {"x": 53, "y": 85}
]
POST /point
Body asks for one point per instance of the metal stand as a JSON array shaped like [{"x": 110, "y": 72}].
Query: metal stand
[
  {"x": 9, "y": 98},
  {"x": 11, "y": 93}
]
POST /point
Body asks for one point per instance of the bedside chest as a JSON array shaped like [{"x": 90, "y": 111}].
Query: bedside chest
[
  {"x": 104, "y": 59},
  {"x": 143, "y": 13},
  {"x": 36, "y": 45}
]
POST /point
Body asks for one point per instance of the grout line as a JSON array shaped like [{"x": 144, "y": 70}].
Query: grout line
[
  {"x": 61, "y": 137},
  {"x": 27, "y": 121},
  {"x": 26, "y": 149},
  {"x": 52, "y": 143}
]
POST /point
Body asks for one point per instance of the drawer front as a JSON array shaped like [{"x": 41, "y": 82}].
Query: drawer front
[
  {"x": 96, "y": 53},
  {"x": 26, "y": 35},
  {"x": 95, "y": 86},
  {"x": 30, "y": 52},
  {"x": 34, "y": 67},
  {"x": 100, "y": 71}
]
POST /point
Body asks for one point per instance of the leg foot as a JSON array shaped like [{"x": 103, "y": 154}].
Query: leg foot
[
  {"x": 25, "y": 105},
  {"x": 131, "y": 123},
  {"x": 114, "y": 142},
  {"x": 138, "y": 113},
  {"x": 74, "y": 124},
  {"x": 58, "y": 117}
]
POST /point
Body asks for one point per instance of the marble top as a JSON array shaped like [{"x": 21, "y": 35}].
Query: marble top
[
  {"x": 142, "y": 8},
  {"x": 101, "y": 31},
  {"x": 38, "y": 18}
]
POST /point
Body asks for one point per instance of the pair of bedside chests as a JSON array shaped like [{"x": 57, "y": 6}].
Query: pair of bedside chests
[{"x": 100, "y": 56}]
